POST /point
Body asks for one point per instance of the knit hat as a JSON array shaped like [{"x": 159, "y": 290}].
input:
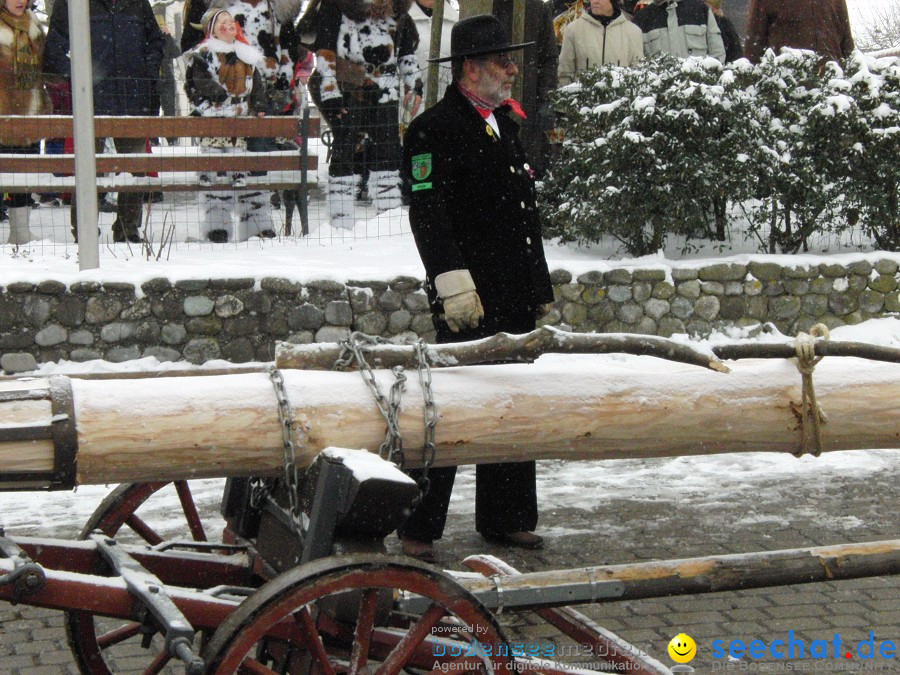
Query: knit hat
[{"x": 208, "y": 21}]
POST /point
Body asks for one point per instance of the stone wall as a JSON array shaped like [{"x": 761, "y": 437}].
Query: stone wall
[{"x": 240, "y": 319}]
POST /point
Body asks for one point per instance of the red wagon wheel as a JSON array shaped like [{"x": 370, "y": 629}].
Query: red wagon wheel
[
  {"x": 96, "y": 641},
  {"x": 336, "y": 615}
]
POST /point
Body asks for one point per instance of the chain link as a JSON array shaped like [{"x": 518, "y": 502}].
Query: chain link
[
  {"x": 430, "y": 412},
  {"x": 291, "y": 473}
]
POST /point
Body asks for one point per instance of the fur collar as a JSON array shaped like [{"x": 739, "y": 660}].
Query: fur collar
[{"x": 249, "y": 55}]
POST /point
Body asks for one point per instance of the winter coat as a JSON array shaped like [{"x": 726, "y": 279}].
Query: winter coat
[
  {"x": 730, "y": 38},
  {"x": 473, "y": 207},
  {"x": 21, "y": 82},
  {"x": 224, "y": 79},
  {"x": 681, "y": 28},
  {"x": 538, "y": 72},
  {"x": 126, "y": 50},
  {"x": 820, "y": 25},
  {"x": 423, "y": 28},
  {"x": 268, "y": 25},
  {"x": 587, "y": 43},
  {"x": 357, "y": 51}
]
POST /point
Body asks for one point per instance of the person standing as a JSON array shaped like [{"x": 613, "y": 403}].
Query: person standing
[
  {"x": 21, "y": 93},
  {"x": 734, "y": 50},
  {"x": 476, "y": 225},
  {"x": 822, "y": 26},
  {"x": 421, "y": 12},
  {"x": 126, "y": 51},
  {"x": 601, "y": 34},
  {"x": 681, "y": 28},
  {"x": 538, "y": 71},
  {"x": 365, "y": 64},
  {"x": 224, "y": 80}
]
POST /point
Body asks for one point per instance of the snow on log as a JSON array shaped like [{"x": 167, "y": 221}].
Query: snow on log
[{"x": 567, "y": 407}]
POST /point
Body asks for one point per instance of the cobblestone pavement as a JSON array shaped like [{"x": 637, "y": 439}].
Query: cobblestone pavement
[{"x": 841, "y": 510}]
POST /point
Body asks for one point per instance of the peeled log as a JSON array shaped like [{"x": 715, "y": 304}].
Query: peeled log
[{"x": 571, "y": 407}]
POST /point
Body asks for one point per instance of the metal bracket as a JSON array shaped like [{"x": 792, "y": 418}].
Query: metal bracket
[
  {"x": 26, "y": 574},
  {"x": 150, "y": 592}
]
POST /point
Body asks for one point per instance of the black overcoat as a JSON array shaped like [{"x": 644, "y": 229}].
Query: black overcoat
[{"x": 473, "y": 207}]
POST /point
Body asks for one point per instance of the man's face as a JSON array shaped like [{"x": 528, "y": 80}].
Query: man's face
[
  {"x": 601, "y": 7},
  {"x": 496, "y": 74},
  {"x": 225, "y": 29}
]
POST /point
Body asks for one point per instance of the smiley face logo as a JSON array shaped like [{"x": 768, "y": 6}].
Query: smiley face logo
[{"x": 682, "y": 648}]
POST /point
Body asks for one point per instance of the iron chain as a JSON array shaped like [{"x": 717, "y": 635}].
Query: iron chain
[
  {"x": 291, "y": 472},
  {"x": 430, "y": 412}
]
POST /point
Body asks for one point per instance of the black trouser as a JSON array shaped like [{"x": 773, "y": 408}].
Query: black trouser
[
  {"x": 128, "y": 208},
  {"x": 380, "y": 122},
  {"x": 505, "y": 493}
]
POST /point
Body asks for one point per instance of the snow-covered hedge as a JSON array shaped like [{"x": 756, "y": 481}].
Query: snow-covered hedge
[{"x": 671, "y": 147}]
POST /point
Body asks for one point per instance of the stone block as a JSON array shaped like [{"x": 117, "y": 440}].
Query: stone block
[
  {"x": 147, "y": 332},
  {"x": 101, "y": 309},
  {"x": 122, "y": 354},
  {"x": 332, "y": 334},
  {"x": 712, "y": 288},
  {"x": 17, "y": 362},
  {"x": 758, "y": 307},
  {"x": 238, "y": 351},
  {"x": 303, "y": 337},
  {"x": 390, "y": 300},
  {"x": 591, "y": 278},
  {"x": 842, "y": 304},
  {"x": 574, "y": 313},
  {"x": 832, "y": 270},
  {"x": 681, "y": 308},
  {"x": 240, "y": 326},
  {"x": 84, "y": 287},
  {"x": 800, "y": 272},
  {"x": 162, "y": 353},
  {"x": 84, "y": 354},
  {"x": 871, "y": 301},
  {"x": 600, "y": 314},
  {"x": 860, "y": 267},
  {"x": 173, "y": 333},
  {"x": 20, "y": 287},
  {"x": 722, "y": 272},
  {"x": 571, "y": 292},
  {"x": 650, "y": 275},
  {"x": 796, "y": 286},
  {"x": 306, "y": 317},
  {"x": 732, "y": 307},
  {"x": 656, "y": 308},
  {"x": 167, "y": 307},
  {"x": 684, "y": 273},
  {"x": 52, "y": 287},
  {"x": 663, "y": 290},
  {"x": 232, "y": 284},
  {"x": 707, "y": 307},
  {"x": 784, "y": 307},
  {"x": 403, "y": 284},
  {"x": 280, "y": 286},
  {"x": 140, "y": 309},
  {"x": 118, "y": 287},
  {"x": 204, "y": 325},
  {"x": 339, "y": 313},
  {"x": 117, "y": 331},
  {"x": 258, "y": 302},
  {"x": 560, "y": 276},
  {"x": 629, "y": 313},
  {"x": 81, "y": 337},
  {"x": 361, "y": 299},
  {"x": 619, "y": 293},
  {"x": 371, "y": 323},
  {"x": 884, "y": 283},
  {"x": 422, "y": 324},
  {"x": 201, "y": 350},
  {"x": 734, "y": 288},
  {"x": 36, "y": 310},
  {"x": 773, "y": 288},
  {"x": 398, "y": 321},
  {"x": 821, "y": 285},
  {"x": 50, "y": 335},
  {"x": 752, "y": 287},
  {"x": 765, "y": 271},
  {"x": 228, "y": 306},
  {"x": 814, "y": 305},
  {"x": 892, "y": 301},
  {"x": 886, "y": 266},
  {"x": 156, "y": 286},
  {"x": 698, "y": 327},
  {"x": 640, "y": 291},
  {"x": 593, "y": 294},
  {"x": 198, "y": 305},
  {"x": 416, "y": 301},
  {"x": 689, "y": 289},
  {"x": 618, "y": 276}
]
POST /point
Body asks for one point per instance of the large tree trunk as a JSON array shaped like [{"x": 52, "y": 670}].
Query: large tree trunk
[{"x": 567, "y": 407}]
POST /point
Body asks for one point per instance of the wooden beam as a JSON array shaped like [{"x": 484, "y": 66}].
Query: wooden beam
[
  {"x": 60, "y": 126},
  {"x": 167, "y": 428},
  {"x": 145, "y": 163}
]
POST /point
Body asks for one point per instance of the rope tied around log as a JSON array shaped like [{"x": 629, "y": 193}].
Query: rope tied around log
[{"x": 810, "y": 414}]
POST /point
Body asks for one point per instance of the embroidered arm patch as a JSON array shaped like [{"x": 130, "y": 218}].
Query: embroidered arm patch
[{"x": 421, "y": 170}]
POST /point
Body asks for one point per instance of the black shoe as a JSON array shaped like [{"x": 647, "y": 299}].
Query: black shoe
[
  {"x": 520, "y": 539},
  {"x": 217, "y": 236},
  {"x": 130, "y": 237},
  {"x": 267, "y": 234}
]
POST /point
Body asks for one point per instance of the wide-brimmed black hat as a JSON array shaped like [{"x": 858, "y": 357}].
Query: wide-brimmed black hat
[{"x": 478, "y": 36}]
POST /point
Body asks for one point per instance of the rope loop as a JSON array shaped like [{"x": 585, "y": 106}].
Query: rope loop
[{"x": 810, "y": 414}]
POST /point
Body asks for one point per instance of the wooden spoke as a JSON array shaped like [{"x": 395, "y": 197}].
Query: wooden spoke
[
  {"x": 191, "y": 515},
  {"x": 402, "y": 653},
  {"x": 157, "y": 665},
  {"x": 253, "y": 667},
  {"x": 118, "y": 635},
  {"x": 313, "y": 640},
  {"x": 146, "y": 532},
  {"x": 362, "y": 636}
]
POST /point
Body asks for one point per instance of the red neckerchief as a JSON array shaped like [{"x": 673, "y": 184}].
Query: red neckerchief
[{"x": 484, "y": 108}]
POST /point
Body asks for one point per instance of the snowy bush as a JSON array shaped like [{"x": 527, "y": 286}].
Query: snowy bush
[{"x": 669, "y": 146}]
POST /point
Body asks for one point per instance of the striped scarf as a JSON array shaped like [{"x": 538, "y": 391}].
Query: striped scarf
[{"x": 26, "y": 54}]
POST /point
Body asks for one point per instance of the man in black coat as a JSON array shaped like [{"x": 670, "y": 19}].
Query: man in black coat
[
  {"x": 476, "y": 225},
  {"x": 126, "y": 51}
]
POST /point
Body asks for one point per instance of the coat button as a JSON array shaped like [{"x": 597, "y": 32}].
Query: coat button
[
  {"x": 512, "y": 169},
  {"x": 527, "y": 240},
  {"x": 522, "y": 204}
]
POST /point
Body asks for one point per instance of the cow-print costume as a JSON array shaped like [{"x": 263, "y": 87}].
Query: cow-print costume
[{"x": 366, "y": 59}]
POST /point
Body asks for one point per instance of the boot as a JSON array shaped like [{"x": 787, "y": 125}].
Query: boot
[
  {"x": 384, "y": 187},
  {"x": 341, "y": 193},
  {"x": 18, "y": 225}
]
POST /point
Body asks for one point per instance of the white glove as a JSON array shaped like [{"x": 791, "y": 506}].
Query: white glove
[
  {"x": 462, "y": 306},
  {"x": 463, "y": 311}
]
